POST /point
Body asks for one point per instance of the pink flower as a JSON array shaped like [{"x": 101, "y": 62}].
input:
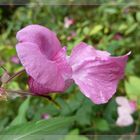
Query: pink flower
[
  {"x": 45, "y": 61},
  {"x": 15, "y": 59},
  {"x": 95, "y": 72},
  {"x": 68, "y": 22},
  {"x": 125, "y": 110},
  {"x": 117, "y": 36},
  {"x": 71, "y": 36},
  {"x": 45, "y": 116},
  {"x": 133, "y": 105}
]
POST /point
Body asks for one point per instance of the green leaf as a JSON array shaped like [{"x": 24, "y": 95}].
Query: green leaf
[
  {"x": 1, "y": 71},
  {"x": 31, "y": 130},
  {"x": 132, "y": 87},
  {"x": 111, "y": 10},
  {"x": 74, "y": 135},
  {"x": 101, "y": 124},
  {"x": 65, "y": 109},
  {"x": 138, "y": 16},
  {"x": 21, "y": 117},
  {"x": 13, "y": 85},
  {"x": 122, "y": 27},
  {"x": 83, "y": 115},
  {"x": 110, "y": 112},
  {"x": 86, "y": 30},
  {"x": 130, "y": 67},
  {"x": 96, "y": 29},
  {"x": 131, "y": 29}
]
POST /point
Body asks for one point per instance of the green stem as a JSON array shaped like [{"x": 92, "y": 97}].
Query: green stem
[{"x": 136, "y": 130}]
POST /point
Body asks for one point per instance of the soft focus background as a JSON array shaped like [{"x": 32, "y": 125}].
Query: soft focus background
[{"x": 115, "y": 28}]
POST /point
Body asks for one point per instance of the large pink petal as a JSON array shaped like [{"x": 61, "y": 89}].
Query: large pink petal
[
  {"x": 82, "y": 52},
  {"x": 41, "y": 90},
  {"x": 36, "y": 88},
  {"x": 64, "y": 67},
  {"x": 42, "y": 70},
  {"x": 96, "y": 76},
  {"x": 62, "y": 64},
  {"x": 44, "y": 38}
]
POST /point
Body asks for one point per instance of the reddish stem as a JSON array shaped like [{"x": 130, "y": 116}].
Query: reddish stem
[{"x": 15, "y": 75}]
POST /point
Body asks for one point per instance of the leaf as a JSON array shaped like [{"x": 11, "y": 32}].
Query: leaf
[
  {"x": 111, "y": 10},
  {"x": 130, "y": 67},
  {"x": 13, "y": 85},
  {"x": 86, "y": 30},
  {"x": 131, "y": 29},
  {"x": 65, "y": 109},
  {"x": 122, "y": 27},
  {"x": 110, "y": 112},
  {"x": 1, "y": 71},
  {"x": 74, "y": 135},
  {"x": 31, "y": 130},
  {"x": 83, "y": 115},
  {"x": 138, "y": 16},
  {"x": 132, "y": 87},
  {"x": 96, "y": 29},
  {"x": 75, "y": 101},
  {"x": 21, "y": 117},
  {"x": 101, "y": 124},
  {"x": 3, "y": 123}
]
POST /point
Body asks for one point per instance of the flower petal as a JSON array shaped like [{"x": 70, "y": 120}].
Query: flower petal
[
  {"x": 133, "y": 105},
  {"x": 44, "y": 38},
  {"x": 130, "y": 106},
  {"x": 42, "y": 70},
  {"x": 62, "y": 64},
  {"x": 96, "y": 76},
  {"x": 36, "y": 88},
  {"x": 124, "y": 120},
  {"x": 124, "y": 117},
  {"x": 64, "y": 67},
  {"x": 81, "y": 52},
  {"x": 122, "y": 101}
]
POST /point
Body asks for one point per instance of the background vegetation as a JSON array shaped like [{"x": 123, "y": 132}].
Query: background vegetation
[{"x": 114, "y": 28}]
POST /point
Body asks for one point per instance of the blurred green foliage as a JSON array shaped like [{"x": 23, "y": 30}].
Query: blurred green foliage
[{"x": 114, "y": 28}]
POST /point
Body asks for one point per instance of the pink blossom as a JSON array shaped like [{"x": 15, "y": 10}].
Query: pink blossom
[
  {"x": 68, "y": 22},
  {"x": 125, "y": 110},
  {"x": 96, "y": 72},
  {"x": 45, "y": 116},
  {"x": 71, "y": 36},
  {"x": 117, "y": 36},
  {"x": 44, "y": 59},
  {"x": 15, "y": 59},
  {"x": 133, "y": 105}
]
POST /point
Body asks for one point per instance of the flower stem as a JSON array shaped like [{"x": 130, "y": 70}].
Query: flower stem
[
  {"x": 4, "y": 69},
  {"x": 15, "y": 75},
  {"x": 26, "y": 93},
  {"x": 136, "y": 130}
]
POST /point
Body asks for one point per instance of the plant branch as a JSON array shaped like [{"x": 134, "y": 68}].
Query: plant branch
[{"x": 15, "y": 75}]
